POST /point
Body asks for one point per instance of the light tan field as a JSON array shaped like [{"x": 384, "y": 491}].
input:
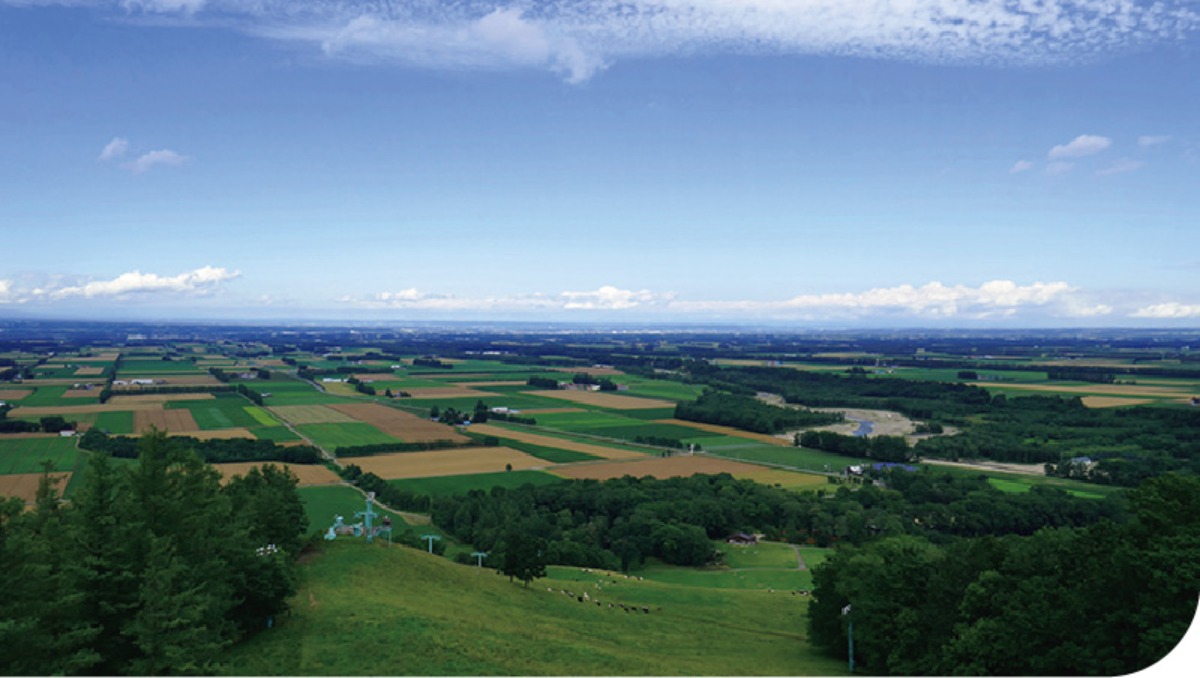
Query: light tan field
[
  {"x": 446, "y": 462},
  {"x": 1093, "y": 389},
  {"x": 1026, "y": 469},
  {"x": 218, "y": 434},
  {"x": 124, "y": 401},
  {"x": 102, "y": 358},
  {"x": 1111, "y": 401},
  {"x": 13, "y": 394},
  {"x": 310, "y": 414},
  {"x": 556, "y": 443},
  {"x": 24, "y": 485},
  {"x": 66, "y": 382},
  {"x": 81, "y": 393},
  {"x": 726, "y": 431},
  {"x": 174, "y": 421},
  {"x": 608, "y": 400},
  {"x": 451, "y": 374},
  {"x": 591, "y": 371},
  {"x": 658, "y": 467},
  {"x": 407, "y": 427},
  {"x": 553, "y": 410},
  {"x": 474, "y": 384},
  {"x": 339, "y": 388},
  {"x": 448, "y": 392},
  {"x": 89, "y": 371},
  {"x": 21, "y": 436},
  {"x": 307, "y": 474}
]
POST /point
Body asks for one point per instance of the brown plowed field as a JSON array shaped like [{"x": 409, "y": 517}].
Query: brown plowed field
[
  {"x": 81, "y": 393},
  {"x": 472, "y": 384},
  {"x": 218, "y": 434},
  {"x": 21, "y": 436},
  {"x": 13, "y": 394},
  {"x": 24, "y": 485},
  {"x": 68, "y": 410},
  {"x": 556, "y": 443},
  {"x": 307, "y": 474},
  {"x": 1110, "y": 401},
  {"x": 310, "y": 414},
  {"x": 175, "y": 421},
  {"x": 659, "y": 467},
  {"x": 407, "y": 427},
  {"x": 726, "y": 431},
  {"x": 446, "y": 462},
  {"x": 89, "y": 371},
  {"x": 608, "y": 400},
  {"x": 124, "y": 401}
]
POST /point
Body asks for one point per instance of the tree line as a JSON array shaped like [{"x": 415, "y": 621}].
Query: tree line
[
  {"x": 152, "y": 568},
  {"x": 749, "y": 413},
  {"x": 214, "y": 451}
]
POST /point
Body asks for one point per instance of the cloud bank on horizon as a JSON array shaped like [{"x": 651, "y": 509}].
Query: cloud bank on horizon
[{"x": 580, "y": 38}]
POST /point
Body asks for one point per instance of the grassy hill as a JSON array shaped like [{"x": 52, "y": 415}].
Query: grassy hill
[{"x": 369, "y": 609}]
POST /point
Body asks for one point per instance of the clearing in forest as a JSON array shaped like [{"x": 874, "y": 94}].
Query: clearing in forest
[
  {"x": 445, "y": 462},
  {"x": 407, "y": 427}
]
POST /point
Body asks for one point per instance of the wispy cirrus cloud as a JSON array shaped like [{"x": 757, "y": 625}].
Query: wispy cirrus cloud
[
  {"x": 1020, "y": 166},
  {"x": 1080, "y": 147},
  {"x": 1149, "y": 140},
  {"x": 579, "y": 38},
  {"x": 1120, "y": 167},
  {"x": 114, "y": 149}
]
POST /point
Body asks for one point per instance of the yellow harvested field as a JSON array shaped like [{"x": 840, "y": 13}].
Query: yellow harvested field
[
  {"x": 553, "y": 410},
  {"x": 788, "y": 480},
  {"x": 407, "y": 427},
  {"x": 448, "y": 392},
  {"x": 24, "y": 485},
  {"x": 1096, "y": 389},
  {"x": 454, "y": 462},
  {"x": 174, "y": 421},
  {"x": 556, "y": 443},
  {"x": 22, "y": 436},
  {"x": 451, "y": 374},
  {"x": 102, "y": 358},
  {"x": 473, "y": 384},
  {"x": 13, "y": 394},
  {"x": 125, "y": 401},
  {"x": 727, "y": 431},
  {"x": 339, "y": 388},
  {"x": 310, "y": 414},
  {"x": 1111, "y": 401},
  {"x": 218, "y": 434},
  {"x": 82, "y": 393},
  {"x": 607, "y": 400},
  {"x": 658, "y": 467},
  {"x": 307, "y": 474},
  {"x": 89, "y": 371}
]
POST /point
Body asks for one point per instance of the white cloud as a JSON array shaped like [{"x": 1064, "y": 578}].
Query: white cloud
[
  {"x": 199, "y": 281},
  {"x": 1120, "y": 167},
  {"x": 164, "y": 6},
  {"x": 1021, "y": 166},
  {"x": 1055, "y": 169},
  {"x": 1152, "y": 140},
  {"x": 114, "y": 149},
  {"x": 1079, "y": 147},
  {"x": 609, "y": 298},
  {"x": 606, "y": 298},
  {"x": 578, "y": 38},
  {"x": 1168, "y": 311},
  {"x": 7, "y": 293},
  {"x": 163, "y": 157}
]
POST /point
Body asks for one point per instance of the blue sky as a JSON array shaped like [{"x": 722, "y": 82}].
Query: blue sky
[{"x": 944, "y": 162}]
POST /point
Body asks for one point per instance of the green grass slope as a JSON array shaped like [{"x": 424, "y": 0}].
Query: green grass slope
[{"x": 373, "y": 610}]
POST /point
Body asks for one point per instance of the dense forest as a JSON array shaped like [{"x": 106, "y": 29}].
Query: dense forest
[
  {"x": 153, "y": 568},
  {"x": 749, "y": 414},
  {"x": 1102, "y": 599}
]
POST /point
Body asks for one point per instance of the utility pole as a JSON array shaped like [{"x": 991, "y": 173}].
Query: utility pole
[
  {"x": 850, "y": 634},
  {"x": 479, "y": 555},
  {"x": 430, "y": 538}
]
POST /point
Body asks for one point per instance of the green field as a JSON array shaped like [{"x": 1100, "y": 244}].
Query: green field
[
  {"x": 262, "y": 416},
  {"x": 321, "y": 504},
  {"x": 25, "y": 455},
  {"x": 1017, "y": 486},
  {"x": 226, "y": 410},
  {"x": 793, "y": 457},
  {"x": 759, "y": 580},
  {"x": 144, "y": 367},
  {"x": 763, "y": 554},
  {"x": 115, "y": 423},
  {"x": 333, "y": 436},
  {"x": 453, "y": 485},
  {"x": 374, "y": 610},
  {"x": 280, "y": 434}
]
